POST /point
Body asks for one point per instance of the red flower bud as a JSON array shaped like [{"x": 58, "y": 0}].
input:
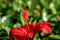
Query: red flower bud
[{"x": 25, "y": 15}]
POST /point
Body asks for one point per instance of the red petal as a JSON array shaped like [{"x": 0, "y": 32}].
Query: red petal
[
  {"x": 47, "y": 23},
  {"x": 47, "y": 29},
  {"x": 31, "y": 34}
]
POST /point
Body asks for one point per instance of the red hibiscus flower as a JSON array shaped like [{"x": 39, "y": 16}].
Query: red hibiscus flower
[{"x": 29, "y": 30}]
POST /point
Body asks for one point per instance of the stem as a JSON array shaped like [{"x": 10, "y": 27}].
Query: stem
[
  {"x": 31, "y": 39},
  {"x": 41, "y": 38}
]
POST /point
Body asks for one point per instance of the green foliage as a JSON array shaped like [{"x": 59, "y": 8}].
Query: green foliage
[{"x": 39, "y": 11}]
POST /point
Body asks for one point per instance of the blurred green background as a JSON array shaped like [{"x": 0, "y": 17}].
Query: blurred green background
[{"x": 39, "y": 11}]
